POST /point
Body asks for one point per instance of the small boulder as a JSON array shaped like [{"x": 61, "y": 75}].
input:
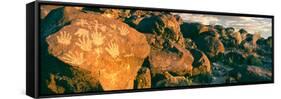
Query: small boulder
[
  {"x": 210, "y": 44},
  {"x": 143, "y": 79},
  {"x": 165, "y": 27},
  {"x": 162, "y": 61},
  {"x": 237, "y": 37},
  {"x": 233, "y": 58},
  {"x": 173, "y": 81},
  {"x": 220, "y": 29},
  {"x": 190, "y": 30},
  {"x": 229, "y": 30},
  {"x": 201, "y": 63}
]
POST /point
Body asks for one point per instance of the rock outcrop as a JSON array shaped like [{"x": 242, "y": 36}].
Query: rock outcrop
[
  {"x": 143, "y": 79},
  {"x": 210, "y": 44},
  {"x": 173, "y": 81},
  {"x": 237, "y": 37},
  {"x": 87, "y": 49},
  {"x": 201, "y": 64},
  {"x": 220, "y": 29},
  {"x": 191, "y": 30},
  {"x": 111, "y": 50},
  {"x": 162, "y": 61},
  {"x": 165, "y": 28},
  {"x": 249, "y": 74}
]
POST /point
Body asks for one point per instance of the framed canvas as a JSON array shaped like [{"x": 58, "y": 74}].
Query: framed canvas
[{"x": 85, "y": 49}]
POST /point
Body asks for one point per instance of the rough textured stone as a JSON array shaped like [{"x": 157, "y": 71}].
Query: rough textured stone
[
  {"x": 162, "y": 61},
  {"x": 111, "y": 50},
  {"x": 143, "y": 80},
  {"x": 165, "y": 28},
  {"x": 173, "y": 81},
  {"x": 99, "y": 49},
  {"x": 210, "y": 44},
  {"x": 248, "y": 74},
  {"x": 190, "y": 30},
  {"x": 237, "y": 37},
  {"x": 201, "y": 64}
]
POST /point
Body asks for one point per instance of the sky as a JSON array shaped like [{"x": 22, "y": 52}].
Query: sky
[{"x": 251, "y": 24}]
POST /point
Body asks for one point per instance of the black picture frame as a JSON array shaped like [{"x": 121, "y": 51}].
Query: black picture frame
[{"x": 33, "y": 49}]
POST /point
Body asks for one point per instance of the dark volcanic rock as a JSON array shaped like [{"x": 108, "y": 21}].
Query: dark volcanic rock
[
  {"x": 162, "y": 61},
  {"x": 191, "y": 30},
  {"x": 81, "y": 81},
  {"x": 172, "y": 81},
  {"x": 269, "y": 42},
  {"x": 166, "y": 28},
  {"x": 52, "y": 22},
  {"x": 265, "y": 46},
  {"x": 133, "y": 21},
  {"x": 210, "y": 44},
  {"x": 250, "y": 43},
  {"x": 243, "y": 31},
  {"x": 249, "y": 74},
  {"x": 234, "y": 58},
  {"x": 254, "y": 59},
  {"x": 201, "y": 64},
  {"x": 229, "y": 30},
  {"x": 220, "y": 29},
  {"x": 143, "y": 79}
]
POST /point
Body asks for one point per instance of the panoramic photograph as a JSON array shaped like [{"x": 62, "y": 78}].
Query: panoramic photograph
[{"x": 94, "y": 49}]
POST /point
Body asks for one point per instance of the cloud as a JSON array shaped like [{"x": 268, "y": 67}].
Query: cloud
[
  {"x": 251, "y": 24},
  {"x": 199, "y": 18}
]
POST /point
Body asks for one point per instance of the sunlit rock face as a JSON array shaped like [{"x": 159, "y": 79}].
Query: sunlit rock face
[
  {"x": 88, "y": 49},
  {"x": 111, "y": 50}
]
